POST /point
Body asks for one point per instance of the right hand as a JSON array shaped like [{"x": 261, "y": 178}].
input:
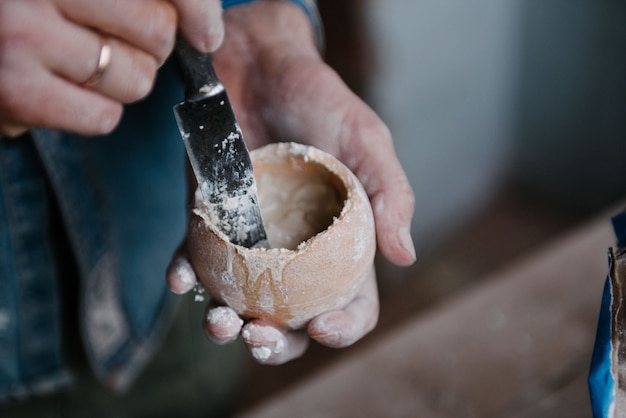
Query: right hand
[
  {"x": 281, "y": 89},
  {"x": 49, "y": 48}
]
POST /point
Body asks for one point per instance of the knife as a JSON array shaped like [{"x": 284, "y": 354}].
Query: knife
[{"x": 217, "y": 151}]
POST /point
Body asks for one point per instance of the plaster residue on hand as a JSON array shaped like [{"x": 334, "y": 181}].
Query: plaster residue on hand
[
  {"x": 181, "y": 277},
  {"x": 224, "y": 317},
  {"x": 185, "y": 274},
  {"x": 264, "y": 341},
  {"x": 261, "y": 353}
]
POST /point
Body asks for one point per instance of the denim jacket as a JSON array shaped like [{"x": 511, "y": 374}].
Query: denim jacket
[{"x": 122, "y": 205}]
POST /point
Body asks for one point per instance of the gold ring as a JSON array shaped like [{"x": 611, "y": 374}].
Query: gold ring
[{"x": 103, "y": 62}]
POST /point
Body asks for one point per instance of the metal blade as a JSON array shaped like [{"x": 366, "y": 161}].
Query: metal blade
[{"x": 219, "y": 157}]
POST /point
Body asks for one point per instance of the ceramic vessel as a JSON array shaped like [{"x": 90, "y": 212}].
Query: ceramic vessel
[{"x": 321, "y": 232}]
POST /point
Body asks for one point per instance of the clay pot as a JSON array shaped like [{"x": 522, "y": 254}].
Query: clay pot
[{"x": 321, "y": 231}]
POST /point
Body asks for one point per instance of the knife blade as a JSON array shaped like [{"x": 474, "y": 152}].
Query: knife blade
[{"x": 217, "y": 151}]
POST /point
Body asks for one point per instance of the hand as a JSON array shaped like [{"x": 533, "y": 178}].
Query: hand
[
  {"x": 281, "y": 90},
  {"x": 49, "y": 48}
]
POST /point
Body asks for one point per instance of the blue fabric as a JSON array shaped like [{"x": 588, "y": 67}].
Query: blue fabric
[
  {"x": 230, "y": 3},
  {"x": 122, "y": 206},
  {"x": 30, "y": 340},
  {"x": 300, "y": 3},
  {"x": 601, "y": 380}
]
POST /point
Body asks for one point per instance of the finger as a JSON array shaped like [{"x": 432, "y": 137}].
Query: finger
[
  {"x": 128, "y": 77},
  {"x": 371, "y": 155},
  {"x": 130, "y": 74},
  {"x": 269, "y": 345},
  {"x": 201, "y": 23},
  {"x": 222, "y": 325},
  {"x": 73, "y": 52},
  {"x": 37, "y": 98},
  {"x": 342, "y": 328},
  {"x": 149, "y": 25},
  {"x": 180, "y": 276}
]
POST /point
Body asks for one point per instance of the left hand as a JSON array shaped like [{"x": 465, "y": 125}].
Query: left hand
[{"x": 281, "y": 90}]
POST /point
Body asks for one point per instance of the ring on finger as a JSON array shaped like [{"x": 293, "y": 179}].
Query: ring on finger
[{"x": 104, "y": 59}]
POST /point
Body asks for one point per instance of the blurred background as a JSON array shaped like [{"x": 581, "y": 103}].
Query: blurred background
[{"x": 510, "y": 120}]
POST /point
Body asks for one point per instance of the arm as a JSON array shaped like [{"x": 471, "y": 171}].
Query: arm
[{"x": 282, "y": 90}]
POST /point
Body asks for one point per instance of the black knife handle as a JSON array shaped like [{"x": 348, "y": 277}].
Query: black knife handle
[{"x": 197, "y": 68}]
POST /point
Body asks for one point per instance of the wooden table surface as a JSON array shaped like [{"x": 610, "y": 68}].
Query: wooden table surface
[{"x": 516, "y": 345}]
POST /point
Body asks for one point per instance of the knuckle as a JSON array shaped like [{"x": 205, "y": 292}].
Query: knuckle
[{"x": 18, "y": 23}]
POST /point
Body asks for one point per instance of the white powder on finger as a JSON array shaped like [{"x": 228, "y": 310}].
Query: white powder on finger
[
  {"x": 269, "y": 336},
  {"x": 261, "y": 353},
  {"x": 245, "y": 334},
  {"x": 185, "y": 274},
  {"x": 224, "y": 317}
]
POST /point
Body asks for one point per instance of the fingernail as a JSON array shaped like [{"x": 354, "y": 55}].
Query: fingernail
[
  {"x": 406, "y": 241},
  {"x": 264, "y": 352},
  {"x": 144, "y": 85},
  {"x": 181, "y": 277},
  {"x": 224, "y": 317},
  {"x": 222, "y": 325},
  {"x": 333, "y": 339},
  {"x": 185, "y": 274},
  {"x": 216, "y": 36},
  {"x": 265, "y": 342},
  {"x": 108, "y": 123},
  {"x": 261, "y": 353}
]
